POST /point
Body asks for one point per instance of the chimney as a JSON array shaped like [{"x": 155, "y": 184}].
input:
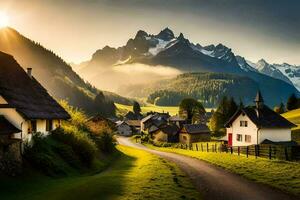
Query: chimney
[
  {"x": 259, "y": 103},
  {"x": 29, "y": 72}
]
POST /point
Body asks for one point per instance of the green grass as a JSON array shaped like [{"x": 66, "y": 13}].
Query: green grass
[
  {"x": 294, "y": 116},
  {"x": 136, "y": 174},
  {"x": 278, "y": 174},
  {"x": 172, "y": 110}
]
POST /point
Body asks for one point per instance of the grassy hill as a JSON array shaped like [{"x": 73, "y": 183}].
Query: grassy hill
[{"x": 294, "y": 116}]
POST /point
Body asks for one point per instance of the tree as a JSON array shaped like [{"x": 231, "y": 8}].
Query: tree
[
  {"x": 280, "y": 109},
  {"x": 292, "y": 102},
  {"x": 136, "y": 108},
  {"x": 192, "y": 110},
  {"x": 224, "y": 112}
]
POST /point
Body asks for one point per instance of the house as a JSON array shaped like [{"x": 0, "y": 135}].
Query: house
[
  {"x": 179, "y": 121},
  {"x": 190, "y": 133},
  {"x": 256, "y": 124},
  {"x": 98, "y": 123},
  {"x": 156, "y": 119},
  {"x": 135, "y": 125},
  {"x": 25, "y": 106},
  {"x": 124, "y": 129},
  {"x": 166, "y": 133}
]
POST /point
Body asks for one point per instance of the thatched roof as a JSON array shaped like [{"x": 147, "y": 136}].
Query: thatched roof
[
  {"x": 25, "y": 93},
  {"x": 6, "y": 128}
]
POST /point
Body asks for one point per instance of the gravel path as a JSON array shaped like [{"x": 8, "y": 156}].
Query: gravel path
[{"x": 214, "y": 182}]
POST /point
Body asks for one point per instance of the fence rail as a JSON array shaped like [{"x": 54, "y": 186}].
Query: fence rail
[{"x": 290, "y": 153}]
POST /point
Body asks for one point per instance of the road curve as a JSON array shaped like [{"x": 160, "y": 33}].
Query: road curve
[{"x": 214, "y": 182}]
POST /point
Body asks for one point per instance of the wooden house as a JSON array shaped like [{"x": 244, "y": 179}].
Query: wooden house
[
  {"x": 190, "y": 133},
  {"x": 166, "y": 133}
]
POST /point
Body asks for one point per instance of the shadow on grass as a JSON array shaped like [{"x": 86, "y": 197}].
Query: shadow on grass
[{"x": 109, "y": 184}]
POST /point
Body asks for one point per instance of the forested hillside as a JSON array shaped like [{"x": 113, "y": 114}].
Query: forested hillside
[
  {"x": 54, "y": 73},
  {"x": 208, "y": 88}
]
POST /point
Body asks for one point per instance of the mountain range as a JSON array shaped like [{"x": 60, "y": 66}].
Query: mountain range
[
  {"x": 55, "y": 74},
  {"x": 178, "y": 53}
]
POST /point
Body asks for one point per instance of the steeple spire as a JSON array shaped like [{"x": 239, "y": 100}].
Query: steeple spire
[{"x": 259, "y": 101}]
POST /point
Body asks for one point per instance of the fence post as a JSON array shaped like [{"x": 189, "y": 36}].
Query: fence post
[
  {"x": 258, "y": 150},
  {"x": 201, "y": 147},
  {"x": 275, "y": 151},
  {"x": 247, "y": 151},
  {"x": 286, "y": 153},
  {"x": 186, "y": 146},
  {"x": 231, "y": 150},
  {"x": 207, "y": 147},
  {"x": 270, "y": 152},
  {"x": 239, "y": 150},
  {"x": 255, "y": 150},
  {"x": 197, "y": 147}
]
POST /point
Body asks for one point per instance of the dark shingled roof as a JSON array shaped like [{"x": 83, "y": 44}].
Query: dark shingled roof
[
  {"x": 6, "y": 128},
  {"x": 266, "y": 118},
  {"x": 170, "y": 129},
  {"x": 196, "y": 128},
  {"x": 26, "y": 94}
]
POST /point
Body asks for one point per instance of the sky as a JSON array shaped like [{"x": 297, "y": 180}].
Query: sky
[{"x": 74, "y": 29}]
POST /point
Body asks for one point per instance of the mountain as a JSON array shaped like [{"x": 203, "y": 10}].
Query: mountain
[
  {"x": 165, "y": 49},
  {"x": 51, "y": 71},
  {"x": 286, "y": 72}
]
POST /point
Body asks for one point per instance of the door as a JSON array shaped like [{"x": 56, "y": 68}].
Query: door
[{"x": 230, "y": 139}]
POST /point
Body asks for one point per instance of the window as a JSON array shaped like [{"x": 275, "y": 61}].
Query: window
[
  {"x": 248, "y": 138},
  {"x": 244, "y": 123},
  {"x": 49, "y": 125},
  {"x": 184, "y": 138},
  {"x": 239, "y": 137},
  {"x": 32, "y": 126}
]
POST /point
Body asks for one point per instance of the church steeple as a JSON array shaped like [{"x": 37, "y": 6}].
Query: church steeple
[{"x": 259, "y": 103}]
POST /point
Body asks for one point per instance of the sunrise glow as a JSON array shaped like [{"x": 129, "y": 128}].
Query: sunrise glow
[{"x": 4, "y": 20}]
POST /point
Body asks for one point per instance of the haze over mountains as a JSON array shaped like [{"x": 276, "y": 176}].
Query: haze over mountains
[{"x": 165, "y": 56}]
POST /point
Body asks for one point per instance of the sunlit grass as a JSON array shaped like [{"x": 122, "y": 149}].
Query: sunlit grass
[
  {"x": 136, "y": 174},
  {"x": 279, "y": 174}
]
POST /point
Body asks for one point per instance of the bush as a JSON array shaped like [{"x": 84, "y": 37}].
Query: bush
[
  {"x": 81, "y": 144},
  {"x": 67, "y": 153},
  {"x": 41, "y": 156},
  {"x": 105, "y": 142}
]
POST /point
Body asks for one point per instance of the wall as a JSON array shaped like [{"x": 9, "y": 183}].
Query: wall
[
  {"x": 124, "y": 129},
  {"x": 275, "y": 135},
  {"x": 159, "y": 136},
  {"x": 235, "y": 129}
]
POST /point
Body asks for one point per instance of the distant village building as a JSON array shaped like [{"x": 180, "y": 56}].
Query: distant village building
[
  {"x": 154, "y": 119},
  {"x": 124, "y": 129},
  {"x": 179, "y": 121},
  {"x": 191, "y": 133},
  {"x": 257, "y": 124},
  {"x": 135, "y": 125},
  {"x": 98, "y": 122},
  {"x": 25, "y": 106},
  {"x": 167, "y": 133}
]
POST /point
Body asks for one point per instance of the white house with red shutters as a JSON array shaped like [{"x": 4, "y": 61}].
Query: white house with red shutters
[{"x": 257, "y": 124}]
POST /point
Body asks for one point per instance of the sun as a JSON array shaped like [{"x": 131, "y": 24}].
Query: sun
[{"x": 3, "y": 20}]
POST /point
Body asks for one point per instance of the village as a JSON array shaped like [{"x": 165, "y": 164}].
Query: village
[{"x": 149, "y": 100}]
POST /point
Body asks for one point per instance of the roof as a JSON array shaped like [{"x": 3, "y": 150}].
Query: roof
[
  {"x": 25, "y": 93},
  {"x": 152, "y": 129},
  {"x": 6, "y": 128},
  {"x": 286, "y": 143},
  {"x": 262, "y": 117},
  {"x": 170, "y": 129},
  {"x": 176, "y": 118},
  {"x": 145, "y": 119},
  {"x": 133, "y": 116},
  {"x": 134, "y": 122},
  {"x": 196, "y": 128}
]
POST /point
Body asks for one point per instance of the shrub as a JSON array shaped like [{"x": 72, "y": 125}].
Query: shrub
[
  {"x": 105, "y": 142},
  {"x": 40, "y": 155},
  {"x": 67, "y": 153},
  {"x": 81, "y": 144}
]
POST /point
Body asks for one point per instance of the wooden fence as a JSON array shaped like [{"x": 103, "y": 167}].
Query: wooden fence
[{"x": 291, "y": 153}]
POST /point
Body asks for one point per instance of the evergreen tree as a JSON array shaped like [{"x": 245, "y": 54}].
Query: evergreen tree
[
  {"x": 136, "y": 108},
  {"x": 192, "y": 110},
  {"x": 292, "y": 102}
]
